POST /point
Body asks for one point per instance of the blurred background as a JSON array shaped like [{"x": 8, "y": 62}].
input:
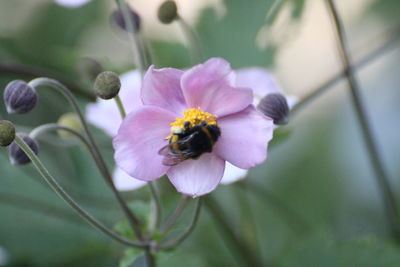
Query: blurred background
[{"x": 313, "y": 203}]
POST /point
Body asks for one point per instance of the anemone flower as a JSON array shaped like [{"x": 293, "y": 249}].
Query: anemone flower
[
  {"x": 105, "y": 115},
  {"x": 192, "y": 122},
  {"x": 72, "y": 3}
]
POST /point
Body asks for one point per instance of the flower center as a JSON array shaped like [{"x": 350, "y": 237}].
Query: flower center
[
  {"x": 191, "y": 136},
  {"x": 192, "y": 117}
]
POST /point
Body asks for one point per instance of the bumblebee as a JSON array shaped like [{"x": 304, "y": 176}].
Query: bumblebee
[{"x": 190, "y": 142}]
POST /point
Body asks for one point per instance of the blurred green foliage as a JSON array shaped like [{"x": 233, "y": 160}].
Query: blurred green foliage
[{"x": 302, "y": 172}]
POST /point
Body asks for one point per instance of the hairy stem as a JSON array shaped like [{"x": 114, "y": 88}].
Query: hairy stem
[
  {"x": 243, "y": 253},
  {"x": 382, "y": 178},
  {"x": 134, "y": 222},
  {"x": 175, "y": 242},
  {"x": 136, "y": 44},
  {"x": 68, "y": 199},
  {"x": 120, "y": 106},
  {"x": 390, "y": 43},
  {"x": 176, "y": 214},
  {"x": 193, "y": 41}
]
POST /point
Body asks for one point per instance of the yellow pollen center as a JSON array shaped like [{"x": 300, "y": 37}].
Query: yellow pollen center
[{"x": 193, "y": 116}]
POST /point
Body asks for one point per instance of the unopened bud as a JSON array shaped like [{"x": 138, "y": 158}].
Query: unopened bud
[
  {"x": 19, "y": 97},
  {"x": 118, "y": 18},
  {"x": 70, "y": 120},
  {"x": 89, "y": 68},
  {"x": 7, "y": 133},
  {"x": 168, "y": 12},
  {"x": 276, "y": 107},
  {"x": 17, "y": 155},
  {"x": 107, "y": 85}
]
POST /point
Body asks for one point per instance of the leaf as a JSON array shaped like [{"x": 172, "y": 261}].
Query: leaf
[
  {"x": 132, "y": 258},
  {"x": 324, "y": 250}
]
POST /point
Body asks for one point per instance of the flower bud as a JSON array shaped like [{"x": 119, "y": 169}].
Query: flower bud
[
  {"x": 17, "y": 155},
  {"x": 107, "y": 85},
  {"x": 19, "y": 97},
  {"x": 70, "y": 120},
  {"x": 276, "y": 107},
  {"x": 7, "y": 133},
  {"x": 118, "y": 18},
  {"x": 168, "y": 12},
  {"x": 89, "y": 68}
]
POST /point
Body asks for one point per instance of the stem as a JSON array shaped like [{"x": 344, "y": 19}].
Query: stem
[
  {"x": 371, "y": 56},
  {"x": 186, "y": 233},
  {"x": 120, "y": 106},
  {"x": 134, "y": 222},
  {"x": 153, "y": 191},
  {"x": 17, "y": 68},
  {"x": 150, "y": 259},
  {"x": 67, "y": 198},
  {"x": 193, "y": 40},
  {"x": 248, "y": 222},
  {"x": 382, "y": 178},
  {"x": 292, "y": 218},
  {"x": 157, "y": 203},
  {"x": 137, "y": 48},
  {"x": 176, "y": 214},
  {"x": 243, "y": 253}
]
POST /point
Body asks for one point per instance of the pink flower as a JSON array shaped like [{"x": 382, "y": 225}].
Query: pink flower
[{"x": 177, "y": 106}]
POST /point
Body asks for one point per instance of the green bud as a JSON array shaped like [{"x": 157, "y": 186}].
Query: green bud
[
  {"x": 107, "y": 85},
  {"x": 7, "y": 133},
  {"x": 168, "y": 12},
  {"x": 70, "y": 120}
]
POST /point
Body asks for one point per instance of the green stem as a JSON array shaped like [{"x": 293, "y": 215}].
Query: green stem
[
  {"x": 153, "y": 190},
  {"x": 248, "y": 221},
  {"x": 157, "y": 203},
  {"x": 390, "y": 43},
  {"x": 136, "y": 44},
  {"x": 68, "y": 199},
  {"x": 382, "y": 178},
  {"x": 193, "y": 41},
  {"x": 120, "y": 106},
  {"x": 294, "y": 220},
  {"x": 175, "y": 242},
  {"x": 26, "y": 70},
  {"x": 132, "y": 219},
  {"x": 243, "y": 253},
  {"x": 150, "y": 259},
  {"x": 176, "y": 214}
]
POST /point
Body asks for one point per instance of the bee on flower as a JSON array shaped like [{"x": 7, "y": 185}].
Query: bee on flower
[{"x": 197, "y": 126}]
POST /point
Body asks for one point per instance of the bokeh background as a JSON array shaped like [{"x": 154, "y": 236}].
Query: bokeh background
[{"x": 313, "y": 203}]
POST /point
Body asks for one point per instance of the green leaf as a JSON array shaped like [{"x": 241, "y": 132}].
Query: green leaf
[
  {"x": 324, "y": 250},
  {"x": 132, "y": 258},
  {"x": 124, "y": 228}
]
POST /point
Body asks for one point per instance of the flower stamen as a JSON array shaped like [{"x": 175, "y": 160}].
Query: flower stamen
[{"x": 191, "y": 118}]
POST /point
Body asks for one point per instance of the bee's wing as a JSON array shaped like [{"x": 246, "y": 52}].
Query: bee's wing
[{"x": 170, "y": 159}]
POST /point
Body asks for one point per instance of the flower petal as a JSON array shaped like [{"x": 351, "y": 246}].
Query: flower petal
[
  {"x": 209, "y": 86},
  {"x": 104, "y": 113},
  {"x": 139, "y": 139},
  {"x": 125, "y": 182},
  {"x": 232, "y": 174},
  {"x": 162, "y": 88},
  {"x": 72, "y": 3},
  {"x": 244, "y": 138},
  {"x": 261, "y": 81},
  {"x": 197, "y": 177}
]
